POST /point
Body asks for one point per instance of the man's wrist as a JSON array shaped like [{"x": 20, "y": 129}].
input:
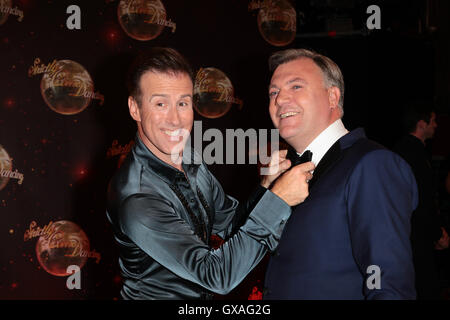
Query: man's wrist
[{"x": 278, "y": 192}]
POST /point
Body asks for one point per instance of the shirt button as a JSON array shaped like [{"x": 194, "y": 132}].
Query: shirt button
[{"x": 192, "y": 200}]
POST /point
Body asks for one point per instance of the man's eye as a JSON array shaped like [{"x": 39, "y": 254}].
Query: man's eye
[
  {"x": 272, "y": 93},
  {"x": 296, "y": 87},
  {"x": 160, "y": 104},
  {"x": 183, "y": 104}
]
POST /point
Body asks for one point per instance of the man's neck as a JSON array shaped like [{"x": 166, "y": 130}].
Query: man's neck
[
  {"x": 324, "y": 140},
  {"x": 170, "y": 159},
  {"x": 418, "y": 136},
  {"x": 301, "y": 143},
  {"x": 300, "y": 146}
]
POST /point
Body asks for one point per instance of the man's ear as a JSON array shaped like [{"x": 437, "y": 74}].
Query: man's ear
[
  {"x": 334, "y": 94},
  {"x": 134, "y": 109}
]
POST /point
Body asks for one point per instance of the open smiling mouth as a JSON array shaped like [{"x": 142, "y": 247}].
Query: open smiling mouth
[
  {"x": 173, "y": 133},
  {"x": 288, "y": 114}
]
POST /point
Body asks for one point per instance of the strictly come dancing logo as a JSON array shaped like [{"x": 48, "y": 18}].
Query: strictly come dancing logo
[
  {"x": 60, "y": 244},
  {"x": 213, "y": 93},
  {"x": 66, "y": 86},
  {"x": 7, "y": 9},
  {"x": 6, "y": 170},
  {"x": 143, "y": 20},
  {"x": 277, "y": 21},
  {"x": 119, "y": 151}
]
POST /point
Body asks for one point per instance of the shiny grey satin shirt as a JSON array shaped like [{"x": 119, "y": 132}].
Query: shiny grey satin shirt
[{"x": 162, "y": 220}]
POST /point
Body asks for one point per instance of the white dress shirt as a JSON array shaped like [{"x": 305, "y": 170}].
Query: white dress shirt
[{"x": 323, "y": 142}]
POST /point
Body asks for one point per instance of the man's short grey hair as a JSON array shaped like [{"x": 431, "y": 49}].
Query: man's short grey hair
[{"x": 332, "y": 75}]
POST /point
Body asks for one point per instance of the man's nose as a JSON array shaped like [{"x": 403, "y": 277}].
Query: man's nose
[
  {"x": 173, "y": 118},
  {"x": 282, "y": 98}
]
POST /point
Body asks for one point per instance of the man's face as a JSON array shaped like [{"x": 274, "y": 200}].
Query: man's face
[
  {"x": 300, "y": 105},
  {"x": 165, "y": 115},
  {"x": 430, "y": 128}
]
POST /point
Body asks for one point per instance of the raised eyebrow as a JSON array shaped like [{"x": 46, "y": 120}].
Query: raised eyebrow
[
  {"x": 167, "y": 96},
  {"x": 158, "y": 95},
  {"x": 188, "y": 95}
]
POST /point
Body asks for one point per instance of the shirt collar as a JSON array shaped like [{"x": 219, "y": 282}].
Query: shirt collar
[
  {"x": 320, "y": 145},
  {"x": 191, "y": 161}
]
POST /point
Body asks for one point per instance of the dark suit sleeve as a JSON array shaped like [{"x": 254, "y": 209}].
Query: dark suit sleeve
[{"x": 381, "y": 195}]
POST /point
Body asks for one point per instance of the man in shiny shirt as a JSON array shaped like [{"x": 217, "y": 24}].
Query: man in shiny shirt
[{"x": 164, "y": 204}]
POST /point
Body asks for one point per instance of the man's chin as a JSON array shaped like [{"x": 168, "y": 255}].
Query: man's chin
[
  {"x": 173, "y": 150},
  {"x": 288, "y": 133}
]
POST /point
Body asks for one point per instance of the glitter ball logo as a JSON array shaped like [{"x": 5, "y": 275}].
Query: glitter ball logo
[
  {"x": 143, "y": 20},
  {"x": 213, "y": 93},
  {"x": 6, "y": 171},
  {"x": 60, "y": 245},
  {"x": 277, "y": 21},
  {"x": 66, "y": 86},
  {"x": 6, "y": 9}
]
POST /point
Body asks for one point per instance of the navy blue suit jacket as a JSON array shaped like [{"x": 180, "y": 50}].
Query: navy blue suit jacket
[{"x": 357, "y": 215}]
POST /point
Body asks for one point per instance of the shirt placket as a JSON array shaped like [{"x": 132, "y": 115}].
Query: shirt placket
[{"x": 189, "y": 195}]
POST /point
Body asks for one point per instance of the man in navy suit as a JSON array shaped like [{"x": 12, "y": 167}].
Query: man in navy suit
[{"x": 350, "y": 238}]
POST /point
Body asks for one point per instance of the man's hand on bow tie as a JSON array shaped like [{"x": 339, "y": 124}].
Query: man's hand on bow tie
[
  {"x": 277, "y": 165},
  {"x": 292, "y": 186}
]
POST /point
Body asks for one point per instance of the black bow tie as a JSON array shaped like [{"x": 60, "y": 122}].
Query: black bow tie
[{"x": 296, "y": 159}]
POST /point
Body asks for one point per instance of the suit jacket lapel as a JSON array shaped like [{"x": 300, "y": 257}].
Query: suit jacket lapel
[{"x": 332, "y": 155}]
